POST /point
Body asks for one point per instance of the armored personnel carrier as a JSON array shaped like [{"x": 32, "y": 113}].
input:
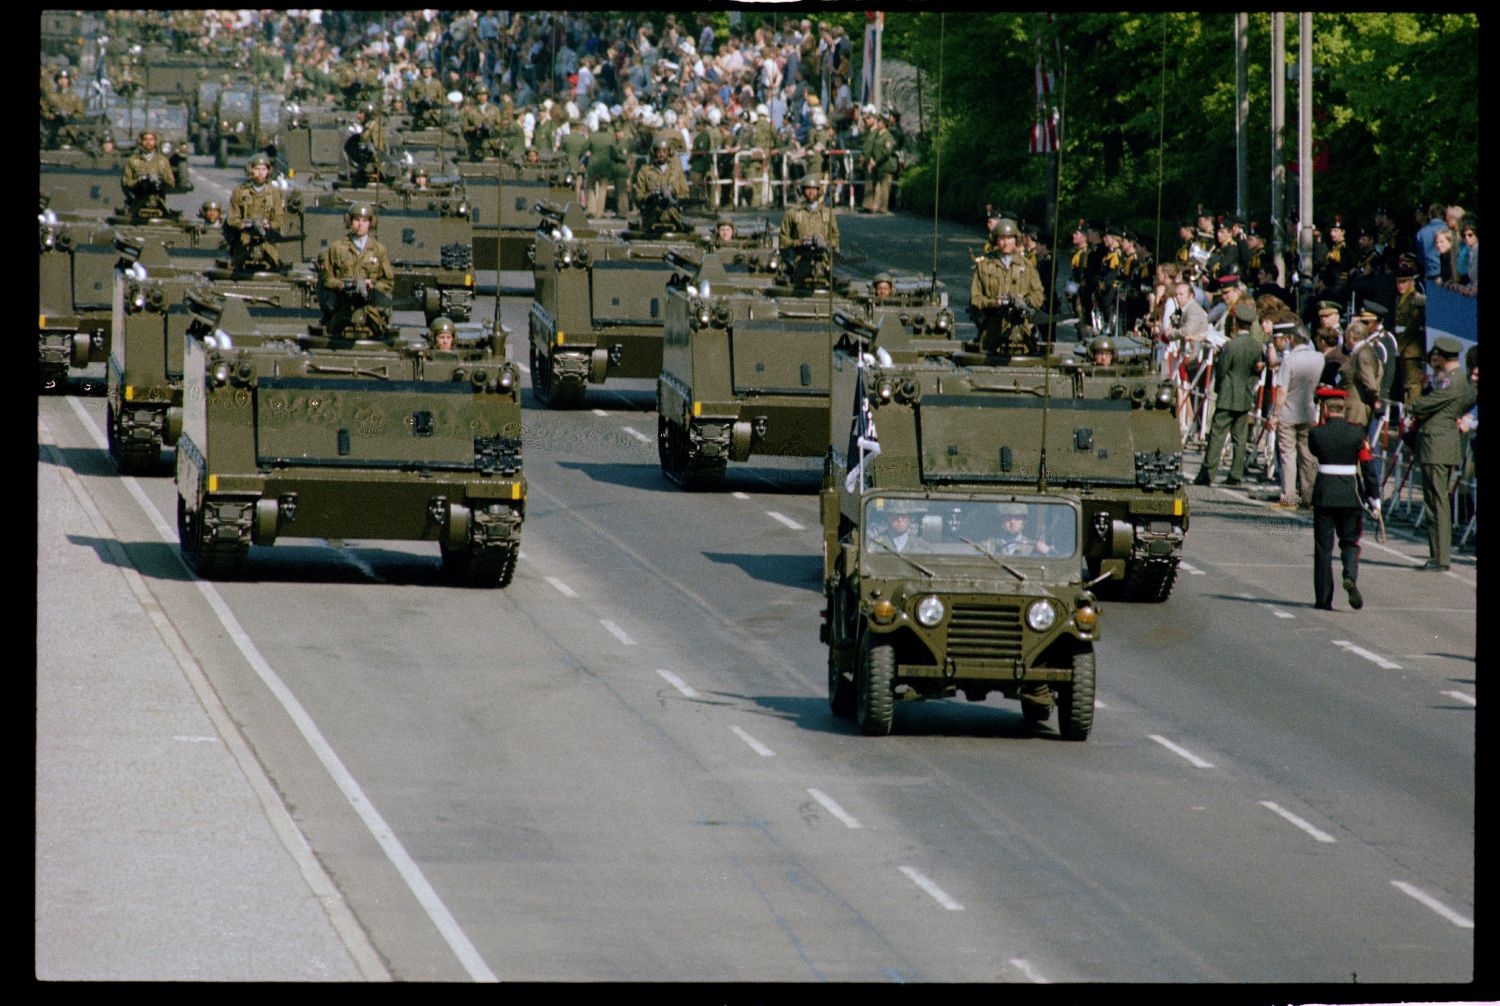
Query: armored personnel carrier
[
  {"x": 745, "y": 369},
  {"x": 155, "y": 293},
  {"x": 503, "y": 198},
  {"x": 600, "y": 304},
  {"x": 940, "y": 578},
  {"x": 310, "y": 435}
]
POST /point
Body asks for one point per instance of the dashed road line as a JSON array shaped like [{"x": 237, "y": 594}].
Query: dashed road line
[
  {"x": 1463, "y": 697},
  {"x": 784, "y": 519},
  {"x": 1374, "y": 658},
  {"x": 938, "y": 894},
  {"x": 1321, "y": 836},
  {"x": 617, "y": 632},
  {"x": 830, "y": 805},
  {"x": 1031, "y": 973},
  {"x": 1192, "y": 570},
  {"x": 562, "y": 588},
  {"x": 755, "y": 745},
  {"x": 637, "y": 434},
  {"x": 599, "y": 412},
  {"x": 1192, "y": 759},
  {"x": 739, "y": 495},
  {"x": 677, "y": 683},
  {"x": 1462, "y": 921}
]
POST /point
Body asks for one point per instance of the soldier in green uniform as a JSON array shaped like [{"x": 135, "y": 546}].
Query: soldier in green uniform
[
  {"x": 758, "y": 163},
  {"x": 659, "y": 189},
  {"x": 880, "y": 156},
  {"x": 820, "y": 140},
  {"x": 481, "y": 125},
  {"x": 425, "y": 99},
  {"x": 625, "y": 161},
  {"x": 1435, "y": 415},
  {"x": 356, "y": 280},
  {"x": 211, "y": 221},
  {"x": 701, "y": 161},
  {"x": 1410, "y": 328},
  {"x": 1236, "y": 375},
  {"x": 256, "y": 217},
  {"x": 146, "y": 178},
  {"x": 1003, "y": 292},
  {"x": 365, "y": 146},
  {"x": 809, "y": 236},
  {"x": 548, "y": 118},
  {"x": 62, "y": 112},
  {"x": 604, "y": 159}
]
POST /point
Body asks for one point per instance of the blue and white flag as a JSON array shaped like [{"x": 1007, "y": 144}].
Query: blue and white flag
[{"x": 863, "y": 442}]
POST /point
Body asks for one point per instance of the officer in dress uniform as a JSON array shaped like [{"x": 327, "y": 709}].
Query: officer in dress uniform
[{"x": 1338, "y": 446}]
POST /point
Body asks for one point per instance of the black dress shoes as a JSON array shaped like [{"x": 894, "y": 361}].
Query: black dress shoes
[{"x": 1355, "y": 601}]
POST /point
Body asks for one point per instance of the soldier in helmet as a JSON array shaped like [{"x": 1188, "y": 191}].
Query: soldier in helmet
[
  {"x": 903, "y": 518},
  {"x": 256, "y": 216},
  {"x": 481, "y": 124},
  {"x": 425, "y": 98},
  {"x": 659, "y": 189},
  {"x": 1003, "y": 293},
  {"x": 365, "y": 145},
  {"x": 442, "y": 334},
  {"x": 1102, "y": 351},
  {"x": 810, "y": 235},
  {"x": 356, "y": 279},
  {"x": 882, "y": 285},
  {"x": 62, "y": 111},
  {"x": 146, "y": 178},
  {"x": 1013, "y": 539},
  {"x": 211, "y": 214}
]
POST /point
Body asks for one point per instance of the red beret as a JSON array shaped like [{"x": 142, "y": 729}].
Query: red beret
[{"x": 1332, "y": 393}]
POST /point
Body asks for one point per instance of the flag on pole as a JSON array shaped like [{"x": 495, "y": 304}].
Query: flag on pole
[
  {"x": 863, "y": 442},
  {"x": 1044, "y": 131}
]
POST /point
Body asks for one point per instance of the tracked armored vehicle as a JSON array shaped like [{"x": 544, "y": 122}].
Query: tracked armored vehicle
[
  {"x": 938, "y": 578},
  {"x": 503, "y": 200},
  {"x": 313, "y": 436}
]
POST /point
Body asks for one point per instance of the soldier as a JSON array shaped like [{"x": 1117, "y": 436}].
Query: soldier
[
  {"x": 146, "y": 178},
  {"x": 442, "y": 334},
  {"x": 700, "y": 163},
  {"x": 882, "y": 286},
  {"x": 821, "y": 138},
  {"x": 425, "y": 98},
  {"x": 1236, "y": 375},
  {"x": 1434, "y": 416},
  {"x": 62, "y": 112},
  {"x": 365, "y": 146},
  {"x": 1003, "y": 292},
  {"x": 1411, "y": 330},
  {"x": 1111, "y": 274},
  {"x": 356, "y": 278},
  {"x": 1224, "y": 260},
  {"x": 881, "y": 162},
  {"x": 481, "y": 125},
  {"x": 898, "y": 535},
  {"x": 1102, "y": 350},
  {"x": 1333, "y": 275},
  {"x": 659, "y": 189},
  {"x": 762, "y": 142},
  {"x": 809, "y": 235},
  {"x": 1338, "y": 446},
  {"x": 255, "y": 220},
  {"x": 211, "y": 215},
  {"x": 624, "y": 163},
  {"x": 512, "y": 137},
  {"x": 605, "y": 156},
  {"x": 1013, "y": 539}
]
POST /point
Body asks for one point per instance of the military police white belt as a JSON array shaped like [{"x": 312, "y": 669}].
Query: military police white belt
[{"x": 1338, "y": 469}]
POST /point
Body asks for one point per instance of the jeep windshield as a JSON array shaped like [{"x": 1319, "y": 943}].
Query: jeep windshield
[{"x": 1002, "y": 529}]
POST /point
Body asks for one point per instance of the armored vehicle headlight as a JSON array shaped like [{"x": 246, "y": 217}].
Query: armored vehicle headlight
[
  {"x": 478, "y": 379},
  {"x": 884, "y": 612},
  {"x": 702, "y": 316},
  {"x": 1166, "y": 395},
  {"x": 930, "y": 610},
  {"x": 1040, "y": 616},
  {"x": 507, "y": 380},
  {"x": 221, "y": 372},
  {"x": 885, "y": 390},
  {"x": 582, "y": 255},
  {"x": 943, "y": 321},
  {"x": 1086, "y": 617},
  {"x": 564, "y": 257}
]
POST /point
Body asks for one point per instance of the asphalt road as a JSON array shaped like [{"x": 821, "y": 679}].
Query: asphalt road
[{"x": 623, "y": 768}]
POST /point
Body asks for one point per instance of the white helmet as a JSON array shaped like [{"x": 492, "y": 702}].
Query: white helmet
[
  {"x": 819, "y": 119},
  {"x": 869, "y": 110},
  {"x": 753, "y": 115},
  {"x": 592, "y": 122},
  {"x": 572, "y": 109},
  {"x": 762, "y": 110},
  {"x": 714, "y": 115},
  {"x": 669, "y": 117},
  {"x": 599, "y": 113}
]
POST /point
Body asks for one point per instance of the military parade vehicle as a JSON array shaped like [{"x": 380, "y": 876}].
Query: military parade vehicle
[
  {"x": 154, "y": 289},
  {"x": 128, "y": 117},
  {"x": 599, "y": 306},
  {"x": 246, "y": 119},
  {"x": 503, "y": 200},
  {"x": 941, "y": 574},
  {"x": 745, "y": 371},
  {"x": 350, "y": 435}
]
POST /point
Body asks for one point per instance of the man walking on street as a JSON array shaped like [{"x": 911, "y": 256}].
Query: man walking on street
[{"x": 1339, "y": 446}]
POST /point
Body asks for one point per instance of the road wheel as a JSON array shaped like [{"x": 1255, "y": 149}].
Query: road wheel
[
  {"x": 1075, "y": 700},
  {"x": 875, "y": 703}
]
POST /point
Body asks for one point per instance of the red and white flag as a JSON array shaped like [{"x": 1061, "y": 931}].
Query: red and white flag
[{"x": 1044, "y": 132}]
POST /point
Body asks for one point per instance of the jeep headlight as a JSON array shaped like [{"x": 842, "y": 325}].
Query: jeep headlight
[
  {"x": 1040, "y": 616},
  {"x": 930, "y": 610}
]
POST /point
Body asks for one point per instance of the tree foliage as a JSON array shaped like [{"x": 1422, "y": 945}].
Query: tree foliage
[{"x": 1149, "y": 111}]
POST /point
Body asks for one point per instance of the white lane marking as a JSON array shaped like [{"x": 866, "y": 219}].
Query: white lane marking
[
  {"x": 1460, "y": 696},
  {"x": 1192, "y": 570},
  {"x": 1031, "y": 973},
  {"x": 599, "y": 412},
  {"x": 938, "y": 894},
  {"x": 521, "y": 555},
  {"x": 190, "y": 739},
  {"x": 410, "y": 872},
  {"x": 739, "y": 495},
  {"x": 637, "y": 434},
  {"x": 678, "y": 683},
  {"x": 830, "y": 805},
  {"x": 1183, "y": 752},
  {"x": 783, "y": 518},
  {"x": 1321, "y": 836},
  {"x": 1282, "y": 614},
  {"x": 1373, "y": 658},
  {"x": 562, "y": 588},
  {"x": 522, "y": 367},
  {"x": 1433, "y": 903},
  {"x": 755, "y": 745},
  {"x": 617, "y": 632}
]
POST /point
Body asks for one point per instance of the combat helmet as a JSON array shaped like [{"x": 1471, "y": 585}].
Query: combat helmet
[{"x": 360, "y": 211}]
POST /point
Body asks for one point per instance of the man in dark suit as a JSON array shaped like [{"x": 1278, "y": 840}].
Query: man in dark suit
[{"x": 1339, "y": 446}]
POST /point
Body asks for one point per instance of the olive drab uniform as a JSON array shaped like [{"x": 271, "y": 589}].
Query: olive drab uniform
[
  {"x": 879, "y": 152},
  {"x": 425, "y": 98},
  {"x": 364, "y": 150},
  {"x": 605, "y": 157},
  {"x": 572, "y": 145},
  {"x": 627, "y": 142},
  {"x": 252, "y": 246},
  {"x": 820, "y": 140},
  {"x": 1002, "y": 296},
  {"x": 1411, "y": 344},
  {"x": 344, "y": 260},
  {"x": 700, "y": 164},
  {"x": 146, "y": 179},
  {"x": 818, "y": 226},
  {"x": 62, "y": 114},
  {"x": 658, "y": 190},
  {"x": 512, "y": 138},
  {"x": 481, "y": 124},
  {"x": 1440, "y": 452},
  {"x": 757, "y": 165},
  {"x": 357, "y": 84}
]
